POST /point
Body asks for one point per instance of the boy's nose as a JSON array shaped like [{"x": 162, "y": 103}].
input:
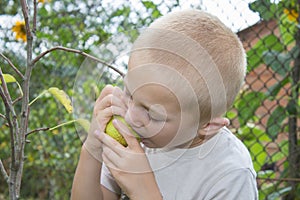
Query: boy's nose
[{"x": 137, "y": 116}]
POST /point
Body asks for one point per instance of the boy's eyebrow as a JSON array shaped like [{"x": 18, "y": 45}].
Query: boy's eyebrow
[{"x": 147, "y": 107}]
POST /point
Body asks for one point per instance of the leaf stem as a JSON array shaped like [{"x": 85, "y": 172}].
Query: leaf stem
[
  {"x": 63, "y": 124},
  {"x": 36, "y": 98}
]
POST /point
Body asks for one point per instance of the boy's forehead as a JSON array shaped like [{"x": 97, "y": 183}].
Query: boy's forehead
[
  {"x": 152, "y": 74},
  {"x": 158, "y": 78}
]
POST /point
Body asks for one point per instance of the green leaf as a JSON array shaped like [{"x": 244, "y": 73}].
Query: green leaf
[
  {"x": 278, "y": 156},
  {"x": 85, "y": 124},
  {"x": 62, "y": 97},
  {"x": 275, "y": 121},
  {"x": 279, "y": 193},
  {"x": 266, "y": 174},
  {"x": 248, "y": 104},
  {"x": 231, "y": 115},
  {"x": 258, "y": 154},
  {"x": 279, "y": 62},
  {"x": 265, "y": 8},
  {"x": 125, "y": 11},
  {"x": 287, "y": 29},
  {"x": 155, "y": 14},
  {"x": 8, "y": 78},
  {"x": 11, "y": 79},
  {"x": 268, "y": 43},
  {"x": 274, "y": 89},
  {"x": 149, "y": 5},
  {"x": 251, "y": 133}
]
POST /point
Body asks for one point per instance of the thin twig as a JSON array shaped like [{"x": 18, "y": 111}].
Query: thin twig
[
  {"x": 12, "y": 65},
  {"x": 34, "y": 16},
  {"x": 10, "y": 124},
  {"x": 37, "y": 130},
  {"x": 2, "y": 116},
  {"x": 17, "y": 99},
  {"x": 78, "y": 52},
  {"x": 281, "y": 179},
  {"x": 3, "y": 171}
]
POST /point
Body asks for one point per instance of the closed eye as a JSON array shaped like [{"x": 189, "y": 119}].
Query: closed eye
[{"x": 156, "y": 112}]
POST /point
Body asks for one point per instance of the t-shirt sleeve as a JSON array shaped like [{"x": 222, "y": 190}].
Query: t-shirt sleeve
[
  {"x": 237, "y": 184},
  {"x": 108, "y": 181}
]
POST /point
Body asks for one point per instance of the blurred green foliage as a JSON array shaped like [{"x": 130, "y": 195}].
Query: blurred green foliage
[
  {"x": 85, "y": 25},
  {"x": 278, "y": 52},
  {"x": 51, "y": 156}
]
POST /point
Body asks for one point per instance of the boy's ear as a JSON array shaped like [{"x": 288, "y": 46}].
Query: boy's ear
[{"x": 214, "y": 126}]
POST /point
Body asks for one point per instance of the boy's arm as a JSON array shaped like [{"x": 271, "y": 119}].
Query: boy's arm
[{"x": 86, "y": 183}]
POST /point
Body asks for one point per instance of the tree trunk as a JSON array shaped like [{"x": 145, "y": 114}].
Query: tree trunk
[{"x": 294, "y": 146}]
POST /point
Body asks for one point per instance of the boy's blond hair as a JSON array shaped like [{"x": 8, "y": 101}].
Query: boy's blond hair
[{"x": 203, "y": 50}]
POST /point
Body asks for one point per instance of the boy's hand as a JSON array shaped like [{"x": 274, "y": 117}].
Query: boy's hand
[
  {"x": 129, "y": 165},
  {"x": 107, "y": 105}
]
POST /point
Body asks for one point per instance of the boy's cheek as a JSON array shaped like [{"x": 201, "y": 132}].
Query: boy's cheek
[
  {"x": 137, "y": 118},
  {"x": 153, "y": 129}
]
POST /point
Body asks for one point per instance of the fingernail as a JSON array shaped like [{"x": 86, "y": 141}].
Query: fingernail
[
  {"x": 115, "y": 121},
  {"x": 97, "y": 133}
]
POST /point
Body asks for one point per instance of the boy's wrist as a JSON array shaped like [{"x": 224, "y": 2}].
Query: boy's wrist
[{"x": 94, "y": 150}]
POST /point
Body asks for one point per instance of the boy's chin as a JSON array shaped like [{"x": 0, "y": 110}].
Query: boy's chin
[{"x": 147, "y": 143}]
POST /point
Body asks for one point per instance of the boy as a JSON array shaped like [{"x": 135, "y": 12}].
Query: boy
[{"x": 183, "y": 74}]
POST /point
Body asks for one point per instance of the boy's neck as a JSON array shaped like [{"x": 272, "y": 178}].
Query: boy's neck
[{"x": 199, "y": 139}]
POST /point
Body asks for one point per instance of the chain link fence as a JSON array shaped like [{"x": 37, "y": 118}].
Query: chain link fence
[{"x": 265, "y": 115}]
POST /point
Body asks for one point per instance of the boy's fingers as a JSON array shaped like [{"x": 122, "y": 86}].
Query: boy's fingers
[
  {"x": 110, "y": 142},
  {"x": 110, "y": 155},
  {"x": 118, "y": 111},
  {"x": 126, "y": 133},
  {"x": 108, "y": 89},
  {"x": 107, "y": 101}
]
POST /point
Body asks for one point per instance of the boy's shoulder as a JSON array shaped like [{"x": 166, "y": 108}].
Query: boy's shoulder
[
  {"x": 222, "y": 163},
  {"x": 225, "y": 147}
]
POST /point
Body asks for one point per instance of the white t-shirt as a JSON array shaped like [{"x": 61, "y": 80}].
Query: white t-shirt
[{"x": 221, "y": 168}]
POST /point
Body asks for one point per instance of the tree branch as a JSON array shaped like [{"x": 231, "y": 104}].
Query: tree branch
[
  {"x": 3, "y": 171},
  {"x": 17, "y": 99},
  {"x": 12, "y": 65},
  {"x": 34, "y": 16},
  {"x": 10, "y": 124},
  {"x": 77, "y": 52},
  {"x": 21, "y": 132},
  {"x": 6, "y": 96},
  {"x": 26, "y": 18},
  {"x": 37, "y": 130},
  {"x": 3, "y": 116}
]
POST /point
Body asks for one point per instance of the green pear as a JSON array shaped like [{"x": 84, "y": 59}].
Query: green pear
[{"x": 114, "y": 133}]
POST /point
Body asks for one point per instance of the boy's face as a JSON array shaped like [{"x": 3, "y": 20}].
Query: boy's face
[{"x": 157, "y": 107}]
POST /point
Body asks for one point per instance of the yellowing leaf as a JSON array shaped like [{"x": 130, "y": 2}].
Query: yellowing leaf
[
  {"x": 8, "y": 78},
  {"x": 84, "y": 123},
  {"x": 62, "y": 97}
]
